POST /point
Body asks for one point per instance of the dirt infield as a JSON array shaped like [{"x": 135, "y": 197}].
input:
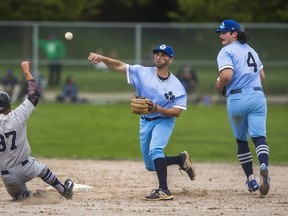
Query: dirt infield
[{"x": 120, "y": 186}]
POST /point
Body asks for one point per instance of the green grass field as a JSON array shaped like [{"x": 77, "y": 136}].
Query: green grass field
[{"x": 111, "y": 132}]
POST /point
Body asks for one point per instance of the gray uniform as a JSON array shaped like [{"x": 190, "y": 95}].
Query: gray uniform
[{"x": 16, "y": 166}]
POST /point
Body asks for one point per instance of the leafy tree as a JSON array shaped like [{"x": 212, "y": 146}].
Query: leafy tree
[
  {"x": 48, "y": 10},
  {"x": 136, "y": 10},
  {"x": 145, "y": 10},
  {"x": 242, "y": 10}
]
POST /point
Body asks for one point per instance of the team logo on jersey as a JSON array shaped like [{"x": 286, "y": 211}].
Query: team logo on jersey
[{"x": 169, "y": 95}]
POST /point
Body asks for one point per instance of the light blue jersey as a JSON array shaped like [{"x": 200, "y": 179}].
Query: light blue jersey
[
  {"x": 247, "y": 110},
  {"x": 154, "y": 135},
  {"x": 168, "y": 93},
  {"x": 245, "y": 63}
]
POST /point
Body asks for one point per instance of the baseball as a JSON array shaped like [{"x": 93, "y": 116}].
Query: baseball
[{"x": 68, "y": 35}]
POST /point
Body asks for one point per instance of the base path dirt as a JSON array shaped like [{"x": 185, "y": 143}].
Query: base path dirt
[{"x": 119, "y": 187}]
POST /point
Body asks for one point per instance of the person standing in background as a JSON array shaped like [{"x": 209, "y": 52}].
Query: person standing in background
[
  {"x": 239, "y": 79},
  {"x": 55, "y": 52}
]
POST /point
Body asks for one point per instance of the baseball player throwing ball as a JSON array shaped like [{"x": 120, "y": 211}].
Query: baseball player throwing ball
[
  {"x": 16, "y": 165},
  {"x": 160, "y": 98}
]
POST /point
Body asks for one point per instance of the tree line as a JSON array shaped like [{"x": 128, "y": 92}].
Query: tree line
[{"x": 185, "y": 11}]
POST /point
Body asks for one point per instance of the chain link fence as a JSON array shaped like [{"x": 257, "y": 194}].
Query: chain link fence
[{"x": 193, "y": 43}]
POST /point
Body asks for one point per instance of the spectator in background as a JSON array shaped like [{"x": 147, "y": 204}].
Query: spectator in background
[
  {"x": 42, "y": 82},
  {"x": 9, "y": 82},
  {"x": 69, "y": 92},
  {"x": 188, "y": 78},
  {"x": 55, "y": 52}
]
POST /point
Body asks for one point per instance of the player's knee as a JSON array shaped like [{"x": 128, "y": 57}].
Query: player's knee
[
  {"x": 44, "y": 171},
  {"x": 156, "y": 153},
  {"x": 150, "y": 168},
  {"x": 149, "y": 165}
]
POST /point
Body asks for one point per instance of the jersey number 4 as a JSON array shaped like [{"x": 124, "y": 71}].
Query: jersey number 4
[
  {"x": 9, "y": 136},
  {"x": 251, "y": 61}
]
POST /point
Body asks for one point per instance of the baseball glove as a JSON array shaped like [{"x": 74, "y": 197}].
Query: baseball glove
[
  {"x": 142, "y": 105},
  {"x": 222, "y": 91}
]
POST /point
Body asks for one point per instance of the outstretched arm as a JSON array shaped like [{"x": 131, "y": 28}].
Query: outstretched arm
[
  {"x": 33, "y": 89},
  {"x": 113, "y": 64}
]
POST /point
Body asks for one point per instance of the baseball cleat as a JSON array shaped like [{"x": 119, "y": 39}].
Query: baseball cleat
[
  {"x": 186, "y": 165},
  {"x": 252, "y": 185},
  {"x": 159, "y": 194},
  {"x": 264, "y": 180},
  {"x": 68, "y": 189}
]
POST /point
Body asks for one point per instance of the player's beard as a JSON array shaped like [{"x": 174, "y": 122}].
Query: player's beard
[{"x": 161, "y": 64}]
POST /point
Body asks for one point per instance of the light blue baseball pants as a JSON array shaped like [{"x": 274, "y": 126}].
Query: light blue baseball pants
[
  {"x": 247, "y": 112},
  {"x": 154, "y": 136}
]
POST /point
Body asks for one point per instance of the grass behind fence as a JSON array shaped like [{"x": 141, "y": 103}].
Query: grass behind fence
[
  {"x": 90, "y": 79},
  {"x": 111, "y": 132}
]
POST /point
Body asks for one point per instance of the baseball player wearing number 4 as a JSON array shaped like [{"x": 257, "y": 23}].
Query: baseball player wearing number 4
[
  {"x": 240, "y": 74},
  {"x": 16, "y": 165},
  {"x": 167, "y": 98}
]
